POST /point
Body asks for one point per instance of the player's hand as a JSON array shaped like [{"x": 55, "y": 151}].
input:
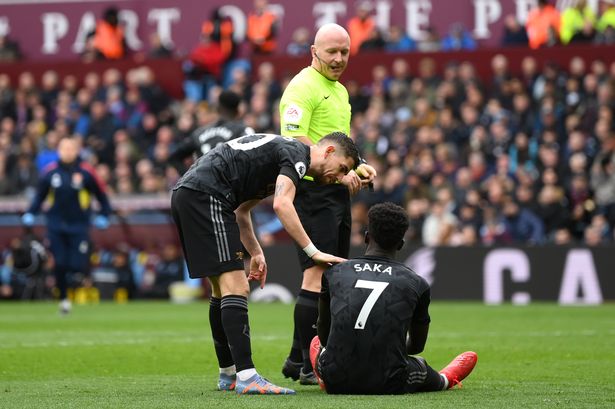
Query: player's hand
[
  {"x": 27, "y": 219},
  {"x": 328, "y": 259},
  {"x": 352, "y": 181},
  {"x": 258, "y": 269},
  {"x": 367, "y": 174},
  {"x": 101, "y": 222}
]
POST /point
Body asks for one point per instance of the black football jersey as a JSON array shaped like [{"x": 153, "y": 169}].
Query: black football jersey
[
  {"x": 205, "y": 138},
  {"x": 208, "y": 137},
  {"x": 373, "y": 302},
  {"x": 246, "y": 168}
]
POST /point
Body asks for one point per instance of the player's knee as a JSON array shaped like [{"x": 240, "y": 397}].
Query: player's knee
[{"x": 234, "y": 283}]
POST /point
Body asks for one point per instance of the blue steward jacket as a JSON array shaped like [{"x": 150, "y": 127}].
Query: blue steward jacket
[{"x": 69, "y": 189}]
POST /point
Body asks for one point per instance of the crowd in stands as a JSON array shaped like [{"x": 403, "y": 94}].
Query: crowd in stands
[
  {"x": 526, "y": 158},
  {"x": 121, "y": 273}
]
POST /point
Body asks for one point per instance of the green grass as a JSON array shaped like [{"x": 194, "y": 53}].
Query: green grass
[{"x": 160, "y": 355}]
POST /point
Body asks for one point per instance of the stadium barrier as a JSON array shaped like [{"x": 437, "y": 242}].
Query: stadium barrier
[{"x": 494, "y": 275}]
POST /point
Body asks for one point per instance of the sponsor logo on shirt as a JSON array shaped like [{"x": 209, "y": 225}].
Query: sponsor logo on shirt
[
  {"x": 293, "y": 113},
  {"x": 290, "y": 127}
]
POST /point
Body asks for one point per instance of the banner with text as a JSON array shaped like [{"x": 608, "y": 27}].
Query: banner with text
[
  {"x": 519, "y": 275},
  {"x": 57, "y": 29}
]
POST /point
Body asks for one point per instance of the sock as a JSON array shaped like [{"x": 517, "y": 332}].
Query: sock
[
  {"x": 445, "y": 381},
  {"x": 223, "y": 352},
  {"x": 60, "y": 273},
  {"x": 229, "y": 370},
  {"x": 237, "y": 329},
  {"x": 246, "y": 374},
  {"x": 434, "y": 381},
  {"x": 295, "y": 354},
  {"x": 306, "y": 315}
]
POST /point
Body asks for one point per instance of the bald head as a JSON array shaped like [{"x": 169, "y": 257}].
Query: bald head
[
  {"x": 331, "y": 50},
  {"x": 331, "y": 31},
  {"x": 68, "y": 150}
]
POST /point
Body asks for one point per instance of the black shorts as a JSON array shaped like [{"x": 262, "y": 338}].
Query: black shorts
[
  {"x": 208, "y": 232},
  {"x": 417, "y": 376},
  {"x": 325, "y": 215}
]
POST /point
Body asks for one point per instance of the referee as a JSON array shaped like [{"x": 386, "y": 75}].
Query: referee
[{"x": 316, "y": 104}]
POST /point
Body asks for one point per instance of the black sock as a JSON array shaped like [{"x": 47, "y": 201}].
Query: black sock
[
  {"x": 223, "y": 352},
  {"x": 433, "y": 380},
  {"x": 306, "y": 315},
  {"x": 61, "y": 274},
  {"x": 237, "y": 329},
  {"x": 295, "y": 354}
]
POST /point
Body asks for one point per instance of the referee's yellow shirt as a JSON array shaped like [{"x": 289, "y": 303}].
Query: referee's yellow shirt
[{"x": 314, "y": 106}]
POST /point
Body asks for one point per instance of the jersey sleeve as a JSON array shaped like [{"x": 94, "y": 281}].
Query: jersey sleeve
[
  {"x": 293, "y": 162},
  {"x": 421, "y": 312},
  {"x": 41, "y": 193},
  {"x": 296, "y": 108}
]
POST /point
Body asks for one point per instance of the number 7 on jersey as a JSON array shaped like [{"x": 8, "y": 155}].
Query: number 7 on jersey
[{"x": 377, "y": 288}]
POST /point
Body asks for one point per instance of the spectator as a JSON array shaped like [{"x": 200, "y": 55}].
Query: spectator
[
  {"x": 606, "y": 23},
  {"x": 99, "y": 136},
  {"x": 374, "y": 42},
  {"x": 23, "y": 175},
  {"x": 360, "y": 26},
  {"x": 157, "y": 48},
  {"x": 543, "y": 25},
  {"x": 562, "y": 237},
  {"x": 522, "y": 224},
  {"x": 262, "y": 28},
  {"x": 398, "y": 41},
  {"x": 430, "y": 41},
  {"x": 203, "y": 68},
  {"x": 9, "y": 49},
  {"x": 300, "y": 42},
  {"x": 109, "y": 38},
  {"x": 578, "y": 22},
  {"x": 23, "y": 275},
  {"x": 126, "y": 286},
  {"x": 439, "y": 226},
  {"x": 169, "y": 269},
  {"x": 515, "y": 33},
  {"x": 220, "y": 30},
  {"x": 458, "y": 38},
  {"x": 603, "y": 178}
]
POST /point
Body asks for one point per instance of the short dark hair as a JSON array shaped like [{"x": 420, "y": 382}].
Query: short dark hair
[
  {"x": 345, "y": 143},
  {"x": 387, "y": 225},
  {"x": 228, "y": 101}
]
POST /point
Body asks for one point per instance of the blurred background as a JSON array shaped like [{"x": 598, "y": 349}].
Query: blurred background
[{"x": 490, "y": 121}]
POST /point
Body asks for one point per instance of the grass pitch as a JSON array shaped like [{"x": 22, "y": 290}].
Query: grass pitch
[{"x": 160, "y": 355}]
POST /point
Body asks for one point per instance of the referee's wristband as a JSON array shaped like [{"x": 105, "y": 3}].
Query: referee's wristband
[{"x": 310, "y": 250}]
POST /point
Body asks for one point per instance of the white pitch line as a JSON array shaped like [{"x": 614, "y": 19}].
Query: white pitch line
[{"x": 123, "y": 341}]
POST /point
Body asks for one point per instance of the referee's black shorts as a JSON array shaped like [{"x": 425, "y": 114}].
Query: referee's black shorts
[
  {"x": 208, "y": 232},
  {"x": 325, "y": 215}
]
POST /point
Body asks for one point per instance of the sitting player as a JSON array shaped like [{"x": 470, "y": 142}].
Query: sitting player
[{"x": 373, "y": 315}]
